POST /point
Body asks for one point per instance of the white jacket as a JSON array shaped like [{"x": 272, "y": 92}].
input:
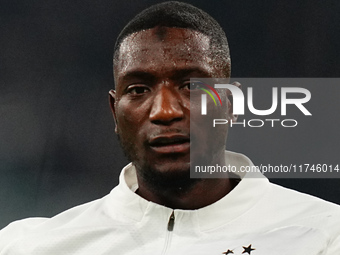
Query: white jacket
[{"x": 256, "y": 217}]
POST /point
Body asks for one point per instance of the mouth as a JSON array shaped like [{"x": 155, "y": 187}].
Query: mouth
[{"x": 170, "y": 144}]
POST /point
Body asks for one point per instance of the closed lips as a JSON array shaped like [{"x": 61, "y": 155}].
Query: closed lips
[{"x": 169, "y": 140}]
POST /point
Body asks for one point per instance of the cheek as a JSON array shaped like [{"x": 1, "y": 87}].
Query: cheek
[
  {"x": 129, "y": 117},
  {"x": 201, "y": 126}
]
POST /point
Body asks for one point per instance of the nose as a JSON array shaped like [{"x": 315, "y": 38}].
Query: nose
[{"x": 167, "y": 107}]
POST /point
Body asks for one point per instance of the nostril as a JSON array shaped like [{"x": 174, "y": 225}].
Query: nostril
[{"x": 165, "y": 122}]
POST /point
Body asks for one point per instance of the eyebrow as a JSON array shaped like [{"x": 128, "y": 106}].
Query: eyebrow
[
  {"x": 138, "y": 74},
  {"x": 197, "y": 71},
  {"x": 179, "y": 73}
]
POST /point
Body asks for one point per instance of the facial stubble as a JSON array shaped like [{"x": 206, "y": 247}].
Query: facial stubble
[{"x": 156, "y": 180}]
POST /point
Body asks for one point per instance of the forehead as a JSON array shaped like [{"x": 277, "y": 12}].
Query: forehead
[{"x": 163, "y": 48}]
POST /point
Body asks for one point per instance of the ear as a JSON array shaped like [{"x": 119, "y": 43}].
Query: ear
[
  {"x": 231, "y": 115},
  {"x": 112, "y": 101}
]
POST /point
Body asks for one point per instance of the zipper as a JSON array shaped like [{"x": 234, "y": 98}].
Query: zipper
[
  {"x": 171, "y": 222},
  {"x": 170, "y": 228}
]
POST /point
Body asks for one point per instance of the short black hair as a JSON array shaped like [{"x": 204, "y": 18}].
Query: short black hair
[{"x": 180, "y": 15}]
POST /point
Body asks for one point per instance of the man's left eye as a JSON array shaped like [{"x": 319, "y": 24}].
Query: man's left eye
[
  {"x": 193, "y": 85},
  {"x": 136, "y": 90}
]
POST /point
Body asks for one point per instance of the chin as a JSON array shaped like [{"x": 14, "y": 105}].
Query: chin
[
  {"x": 167, "y": 176},
  {"x": 172, "y": 168}
]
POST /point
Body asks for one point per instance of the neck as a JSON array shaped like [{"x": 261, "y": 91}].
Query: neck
[
  {"x": 202, "y": 193},
  {"x": 176, "y": 190}
]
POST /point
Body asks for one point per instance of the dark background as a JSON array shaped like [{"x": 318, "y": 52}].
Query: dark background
[{"x": 57, "y": 142}]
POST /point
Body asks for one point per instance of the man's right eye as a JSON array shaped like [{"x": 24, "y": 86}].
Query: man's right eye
[{"x": 137, "y": 89}]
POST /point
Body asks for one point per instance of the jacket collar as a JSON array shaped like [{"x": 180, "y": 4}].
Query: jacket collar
[{"x": 244, "y": 196}]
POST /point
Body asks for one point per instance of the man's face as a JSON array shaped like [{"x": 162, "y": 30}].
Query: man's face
[{"x": 151, "y": 104}]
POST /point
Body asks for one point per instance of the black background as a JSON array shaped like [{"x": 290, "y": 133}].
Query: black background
[{"x": 57, "y": 143}]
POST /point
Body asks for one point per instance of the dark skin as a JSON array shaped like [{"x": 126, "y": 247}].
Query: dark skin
[{"x": 151, "y": 109}]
